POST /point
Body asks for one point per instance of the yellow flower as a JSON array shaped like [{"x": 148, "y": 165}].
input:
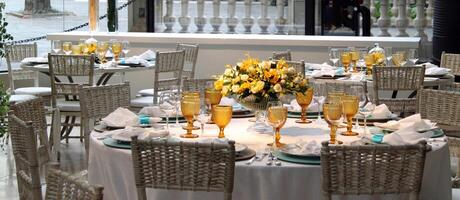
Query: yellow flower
[
  {"x": 228, "y": 72},
  {"x": 244, "y": 77},
  {"x": 245, "y": 85},
  {"x": 235, "y": 88},
  {"x": 277, "y": 88},
  {"x": 257, "y": 87},
  {"x": 236, "y": 80},
  {"x": 218, "y": 84},
  {"x": 281, "y": 64},
  {"x": 225, "y": 90},
  {"x": 266, "y": 64}
]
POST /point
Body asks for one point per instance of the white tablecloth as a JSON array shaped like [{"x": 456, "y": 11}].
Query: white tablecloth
[{"x": 112, "y": 168}]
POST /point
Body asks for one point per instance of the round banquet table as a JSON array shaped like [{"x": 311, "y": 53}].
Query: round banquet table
[{"x": 112, "y": 168}]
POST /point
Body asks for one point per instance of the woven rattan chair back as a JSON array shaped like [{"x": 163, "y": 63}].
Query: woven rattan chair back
[
  {"x": 439, "y": 106},
  {"x": 190, "y": 58},
  {"x": 286, "y": 55},
  {"x": 24, "y": 143},
  {"x": 16, "y": 53},
  {"x": 167, "y": 63},
  {"x": 34, "y": 111},
  {"x": 183, "y": 166},
  {"x": 398, "y": 79},
  {"x": 97, "y": 102},
  {"x": 61, "y": 185},
  {"x": 372, "y": 169},
  {"x": 451, "y": 61},
  {"x": 69, "y": 66}
]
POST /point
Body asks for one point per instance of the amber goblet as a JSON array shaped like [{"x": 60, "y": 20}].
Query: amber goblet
[
  {"x": 346, "y": 59},
  {"x": 212, "y": 97},
  {"x": 333, "y": 115},
  {"x": 350, "y": 108},
  {"x": 222, "y": 116},
  {"x": 193, "y": 96},
  {"x": 304, "y": 99},
  {"x": 276, "y": 115},
  {"x": 189, "y": 112},
  {"x": 369, "y": 61},
  {"x": 116, "y": 49},
  {"x": 354, "y": 56}
]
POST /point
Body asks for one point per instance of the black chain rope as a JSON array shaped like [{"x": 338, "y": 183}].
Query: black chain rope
[{"x": 68, "y": 30}]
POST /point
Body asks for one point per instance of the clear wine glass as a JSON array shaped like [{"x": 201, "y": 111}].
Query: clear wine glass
[
  {"x": 334, "y": 55},
  {"x": 388, "y": 55},
  {"x": 203, "y": 118},
  {"x": 175, "y": 100},
  {"x": 56, "y": 46},
  {"x": 359, "y": 91},
  {"x": 367, "y": 109},
  {"x": 126, "y": 49},
  {"x": 413, "y": 56},
  {"x": 318, "y": 98},
  {"x": 166, "y": 107}
]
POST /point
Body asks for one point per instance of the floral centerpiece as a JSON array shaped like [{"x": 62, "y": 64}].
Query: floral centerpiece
[{"x": 253, "y": 82}]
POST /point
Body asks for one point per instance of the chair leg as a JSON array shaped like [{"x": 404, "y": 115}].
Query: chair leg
[{"x": 56, "y": 134}]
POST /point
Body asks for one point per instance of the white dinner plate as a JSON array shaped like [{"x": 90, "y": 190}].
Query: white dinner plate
[{"x": 240, "y": 147}]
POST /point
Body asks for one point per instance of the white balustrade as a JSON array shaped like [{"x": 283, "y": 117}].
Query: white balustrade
[
  {"x": 420, "y": 20},
  {"x": 184, "y": 19},
  {"x": 264, "y": 21},
  {"x": 394, "y": 12},
  {"x": 216, "y": 20},
  {"x": 373, "y": 10},
  {"x": 384, "y": 20},
  {"x": 200, "y": 19},
  {"x": 248, "y": 20},
  {"x": 169, "y": 19},
  {"x": 402, "y": 21},
  {"x": 429, "y": 13},
  {"x": 280, "y": 21},
  {"x": 409, "y": 12},
  {"x": 231, "y": 20}
]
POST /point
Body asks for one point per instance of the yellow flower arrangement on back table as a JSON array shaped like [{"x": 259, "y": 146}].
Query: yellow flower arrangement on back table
[{"x": 254, "y": 83}]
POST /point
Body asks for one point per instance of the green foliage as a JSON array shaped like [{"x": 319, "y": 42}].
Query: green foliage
[
  {"x": 4, "y": 36},
  {"x": 412, "y": 14},
  {"x": 4, "y": 107}
]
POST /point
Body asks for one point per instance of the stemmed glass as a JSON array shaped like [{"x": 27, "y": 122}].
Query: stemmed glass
[
  {"x": 203, "y": 118},
  {"x": 413, "y": 55},
  {"x": 102, "y": 48},
  {"x": 276, "y": 115},
  {"x": 116, "y": 49},
  {"x": 175, "y": 100},
  {"x": 166, "y": 107},
  {"x": 389, "y": 54},
  {"x": 304, "y": 99},
  {"x": 222, "y": 116},
  {"x": 317, "y": 98},
  {"x": 125, "y": 49},
  {"x": 399, "y": 59},
  {"x": 56, "y": 46},
  {"x": 212, "y": 97},
  {"x": 369, "y": 61},
  {"x": 350, "y": 108},
  {"x": 366, "y": 110},
  {"x": 188, "y": 108},
  {"x": 194, "y": 96},
  {"x": 346, "y": 59},
  {"x": 334, "y": 56},
  {"x": 354, "y": 55},
  {"x": 67, "y": 48},
  {"x": 332, "y": 113}
]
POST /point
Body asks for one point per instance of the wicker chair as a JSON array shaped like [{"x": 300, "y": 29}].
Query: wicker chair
[
  {"x": 286, "y": 55},
  {"x": 97, "y": 102},
  {"x": 69, "y": 66},
  {"x": 346, "y": 86},
  {"x": 14, "y": 55},
  {"x": 61, "y": 185},
  {"x": 451, "y": 61},
  {"x": 372, "y": 169},
  {"x": 191, "y": 56},
  {"x": 24, "y": 143},
  {"x": 183, "y": 166},
  {"x": 34, "y": 111},
  {"x": 443, "y": 108},
  {"x": 398, "y": 79},
  {"x": 165, "y": 63}
]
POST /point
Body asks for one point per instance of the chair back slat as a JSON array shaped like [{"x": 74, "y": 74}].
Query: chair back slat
[
  {"x": 198, "y": 85},
  {"x": 167, "y": 63},
  {"x": 372, "y": 169},
  {"x": 190, "y": 58},
  {"x": 183, "y": 166},
  {"x": 15, "y": 54},
  {"x": 24, "y": 143},
  {"x": 61, "y": 185},
  {"x": 451, "y": 61},
  {"x": 440, "y": 106}
]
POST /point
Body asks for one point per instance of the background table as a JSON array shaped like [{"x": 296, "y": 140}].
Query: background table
[{"x": 113, "y": 169}]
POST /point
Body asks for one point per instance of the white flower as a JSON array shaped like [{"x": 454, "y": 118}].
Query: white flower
[
  {"x": 225, "y": 90},
  {"x": 228, "y": 72},
  {"x": 277, "y": 88},
  {"x": 235, "y": 88},
  {"x": 244, "y": 77},
  {"x": 291, "y": 70}
]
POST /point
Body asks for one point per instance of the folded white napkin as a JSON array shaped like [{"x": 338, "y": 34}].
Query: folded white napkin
[
  {"x": 407, "y": 135},
  {"x": 154, "y": 133},
  {"x": 413, "y": 120},
  {"x": 428, "y": 65},
  {"x": 121, "y": 117},
  {"x": 126, "y": 133},
  {"x": 34, "y": 59},
  {"x": 148, "y": 55},
  {"x": 159, "y": 111},
  {"x": 306, "y": 148},
  {"x": 134, "y": 60},
  {"x": 324, "y": 72},
  {"x": 436, "y": 71},
  {"x": 317, "y": 66},
  {"x": 381, "y": 111},
  {"x": 108, "y": 65},
  {"x": 313, "y": 107},
  {"x": 227, "y": 101}
]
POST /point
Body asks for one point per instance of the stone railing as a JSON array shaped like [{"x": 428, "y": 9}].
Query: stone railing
[
  {"x": 401, "y": 14},
  {"x": 219, "y": 16}
]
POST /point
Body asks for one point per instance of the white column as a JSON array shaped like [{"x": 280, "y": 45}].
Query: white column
[
  {"x": 384, "y": 20},
  {"x": 394, "y": 12},
  {"x": 402, "y": 21},
  {"x": 429, "y": 13},
  {"x": 263, "y": 20},
  {"x": 231, "y": 20},
  {"x": 248, "y": 20},
  {"x": 184, "y": 19},
  {"x": 408, "y": 12},
  {"x": 200, "y": 19},
  {"x": 280, "y": 21},
  {"x": 420, "y": 20},
  {"x": 372, "y": 9},
  {"x": 169, "y": 19},
  {"x": 216, "y": 20}
]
